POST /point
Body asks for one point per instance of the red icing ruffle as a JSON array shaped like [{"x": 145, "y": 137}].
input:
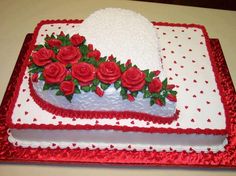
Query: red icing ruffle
[{"x": 10, "y": 153}]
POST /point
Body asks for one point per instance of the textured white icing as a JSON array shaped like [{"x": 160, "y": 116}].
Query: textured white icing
[
  {"x": 119, "y": 140},
  {"x": 125, "y": 34},
  {"x": 111, "y": 100}
]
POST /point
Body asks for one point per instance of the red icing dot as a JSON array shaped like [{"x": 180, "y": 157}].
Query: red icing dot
[
  {"x": 184, "y": 79},
  {"x": 193, "y": 61},
  {"x": 170, "y": 69},
  {"x": 60, "y": 122},
  {"x": 147, "y": 123},
  {"x": 111, "y": 146},
  {"x": 184, "y": 57},
  {"x": 214, "y": 90},
  {"x": 93, "y": 146},
  {"x": 189, "y": 38},
  {"x": 202, "y": 68},
  {"x": 208, "y": 120},
  {"x": 195, "y": 81},
  {"x": 73, "y": 144},
  {"x": 53, "y": 144},
  {"x": 181, "y": 66},
  {"x": 163, "y": 49},
  {"x": 45, "y": 30},
  {"x": 34, "y": 119},
  {"x": 25, "y": 77},
  {"x": 206, "y": 82},
  {"x": 207, "y": 102},
  {"x": 164, "y": 56},
  {"x": 117, "y": 123},
  {"x": 27, "y": 100},
  {"x": 194, "y": 96},
  {"x": 199, "y": 109},
  {"x": 173, "y": 30},
  {"x": 176, "y": 74},
  {"x": 24, "y": 90},
  {"x": 150, "y": 147},
  {"x": 170, "y": 78},
  {"x": 190, "y": 50},
  {"x": 59, "y": 27},
  {"x": 201, "y": 92},
  {"x": 204, "y": 55},
  {"x": 201, "y": 43},
  {"x": 177, "y": 124},
  {"x": 54, "y": 117},
  {"x": 182, "y": 30},
  {"x": 19, "y": 105},
  {"x": 175, "y": 62},
  {"x": 164, "y": 33},
  {"x": 187, "y": 89},
  {"x": 176, "y": 36},
  {"x": 179, "y": 45},
  {"x": 186, "y": 107},
  {"x": 192, "y": 120},
  {"x": 42, "y": 35},
  {"x": 26, "y": 112},
  {"x": 18, "y": 120},
  {"x": 132, "y": 122},
  {"x": 97, "y": 122},
  {"x": 195, "y": 72},
  {"x": 169, "y": 42},
  {"x": 172, "y": 52},
  {"x": 73, "y": 119},
  {"x": 51, "y": 25},
  {"x": 194, "y": 30},
  {"x": 129, "y": 146},
  {"x": 73, "y": 26}
]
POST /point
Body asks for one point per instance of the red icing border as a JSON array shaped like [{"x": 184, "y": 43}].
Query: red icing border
[
  {"x": 125, "y": 128},
  {"x": 227, "y": 158}
]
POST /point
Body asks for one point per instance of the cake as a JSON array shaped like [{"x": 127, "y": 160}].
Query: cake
[{"x": 117, "y": 81}]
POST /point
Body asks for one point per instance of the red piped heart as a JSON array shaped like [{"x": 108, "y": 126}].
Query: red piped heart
[
  {"x": 54, "y": 117},
  {"x": 19, "y": 120},
  {"x": 194, "y": 96},
  {"x": 53, "y": 144},
  {"x": 97, "y": 122},
  {"x": 34, "y": 119},
  {"x": 186, "y": 107},
  {"x": 60, "y": 122},
  {"x": 19, "y": 105},
  {"x": 198, "y": 109},
  {"x": 26, "y": 112},
  {"x": 177, "y": 124},
  {"x": 192, "y": 120},
  {"x": 73, "y": 144}
]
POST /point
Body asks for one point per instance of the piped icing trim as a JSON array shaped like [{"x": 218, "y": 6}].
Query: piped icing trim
[
  {"x": 131, "y": 157},
  {"x": 169, "y": 129}
]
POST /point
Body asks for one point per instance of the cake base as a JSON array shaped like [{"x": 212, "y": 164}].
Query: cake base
[{"x": 106, "y": 156}]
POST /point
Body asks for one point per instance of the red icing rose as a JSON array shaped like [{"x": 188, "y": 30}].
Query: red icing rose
[
  {"x": 69, "y": 55},
  {"x": 99, "y": 92},
  {"x": 155, "y": 86},
  {"x": 95, "y": 54},
  {"x": 54, "y": 43},
  {"x": 54, "y": 73},
  {"x": 133, "y": 79},
  {"x": 108, "y": 72},
  {"x": 67, "y": 87},
  {"x": 83, "y": 72},
  {"x": 35, "y": 77},
  {"x": 170, "y": 86},
  {"x": 159, "y": 102},
  {"x": 43, "y": 56},
  {"x": 90, "y": 47},
  {"x": 171, "y": 97},
  {"x": 110, "y": 58},
  {"x": 76, "y": 39},
  {"x": 130, "y": 98}
]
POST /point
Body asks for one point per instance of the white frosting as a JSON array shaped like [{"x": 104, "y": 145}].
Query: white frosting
[{"x": 119, "y": 140}]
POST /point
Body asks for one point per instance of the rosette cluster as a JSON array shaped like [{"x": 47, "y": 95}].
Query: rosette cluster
[{"x": 69, "y": 65}]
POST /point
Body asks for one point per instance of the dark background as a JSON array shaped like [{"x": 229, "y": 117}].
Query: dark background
[{"x": 216, "y": 4}]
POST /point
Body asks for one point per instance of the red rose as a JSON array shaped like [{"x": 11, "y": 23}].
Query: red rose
[
  {"x": 99, "y": 92},
  {"x": 43, "y": 56},
  {"x": 76, "y": 39},
  {"x": 67, "y": 87},
  {"x": 83, "y": 72},
  {"x": 171, "y": 97},
  {"x": 133, "y": 79},
  {"x": 128, "y": 63},
  {"x": 54, "y": 43},
  {"x": 108, "y": 72},
  {"x": 54, "y": 73},
  {"x": 110, "y": 58},
  {"x": 95, "y": 54},
  {"x": 69, "y": 55},
  {"x": 155, "y": 86},
  {"x": 35, "y": 77}
]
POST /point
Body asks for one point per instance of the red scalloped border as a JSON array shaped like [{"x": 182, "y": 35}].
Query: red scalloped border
[
  {"x": 161, "y": 130},
  {"x": 227, "y": 158}
]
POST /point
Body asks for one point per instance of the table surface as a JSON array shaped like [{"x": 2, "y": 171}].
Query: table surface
[{"x": 20, "y": 17}]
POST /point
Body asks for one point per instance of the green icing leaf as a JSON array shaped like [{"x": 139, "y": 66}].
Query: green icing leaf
[
  {"x": 104, "y": 86},
  {"x": 59, "y": 93},
  {"x": 123, "y": 91},
  {"x": 117, "y": 84},
  {"x": 69, "y": 97},
  {"x": 76, "y": 82},
  {"x": 96, "y": 82},
  {"x": 146, "y": 94},
  {"x": 68, "y": 77},
  {"x": 85, "y": 88},
  {"x": 93, "y": 88},
  {"x": 38, "y": 47},
  {"x": 164, "y": 84},
  {"x": 146, "y": 72},
  {"x": 134, "y": 94},
  {"x": 148, "y": 79},
  {"x": 41, "y": 77},
  {"x": 77, "y": 90},
  {"x": 47, "y": 45},
  {"x": 36, "y": 70},
  {"x": 54, "y": 60},
  {"x": 84, "y": 50},
  {"x": 54, "y": 87},
  {"x": 151, "y": 75},
  {"x": 46, "y": 86},
  {"x": 152, "y": 101},
  {"x": 122, "y": 68},
  {"x": 173, "y": 92}
]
